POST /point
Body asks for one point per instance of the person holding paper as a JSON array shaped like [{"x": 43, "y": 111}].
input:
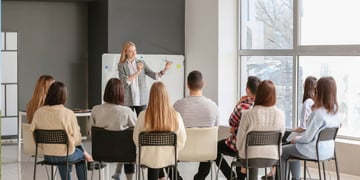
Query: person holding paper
[{"x": 132, "y": 73}]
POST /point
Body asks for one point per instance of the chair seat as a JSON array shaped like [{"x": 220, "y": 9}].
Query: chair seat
[
  {"x": 259, "y": 138},
  {"x": 256, "y": 162},
  {"x": 324, "y": 135},
  {"x": 310, "y": 159},
  {"x": 44, "y": 162}
]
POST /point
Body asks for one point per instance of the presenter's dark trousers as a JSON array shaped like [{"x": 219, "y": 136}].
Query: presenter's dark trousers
[{"x": 138, "y": 109}]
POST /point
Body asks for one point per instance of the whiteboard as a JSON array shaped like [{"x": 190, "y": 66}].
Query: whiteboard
[{"x": 173, "y": 78}]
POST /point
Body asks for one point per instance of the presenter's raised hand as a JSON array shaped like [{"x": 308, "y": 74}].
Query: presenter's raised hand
[{"x": 167, "y": 65}]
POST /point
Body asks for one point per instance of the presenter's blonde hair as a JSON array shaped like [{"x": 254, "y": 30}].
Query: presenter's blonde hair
[
  {"x": 125, "y": 46},
  {"x": 160, "y": 115}
]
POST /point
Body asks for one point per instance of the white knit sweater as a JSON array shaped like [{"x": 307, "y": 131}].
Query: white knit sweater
[
  {"x": 260, "y": 118},
  {"x": 57, "y": 117}
]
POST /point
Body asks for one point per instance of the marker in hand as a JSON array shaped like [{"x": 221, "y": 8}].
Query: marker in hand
[{"x": 167, "y": 61}]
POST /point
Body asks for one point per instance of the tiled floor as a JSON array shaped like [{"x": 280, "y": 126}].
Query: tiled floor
[{"x": 12, "y": 170}]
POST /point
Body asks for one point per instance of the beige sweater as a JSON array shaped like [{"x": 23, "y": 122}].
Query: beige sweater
[
  {"x": 57, "y": 117},
  {"x": 158, "y": 156},
  {"x": 260, "y": 118}
]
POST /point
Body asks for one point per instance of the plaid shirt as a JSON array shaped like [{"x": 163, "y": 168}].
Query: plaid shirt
[{"x": 234, "y": 120}]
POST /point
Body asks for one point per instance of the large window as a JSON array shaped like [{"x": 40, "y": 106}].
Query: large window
[
  {"x": 336, "y": 23},
  {"x": 345, "y": 70},
  {"x": 265, "y": 24},
  {"x": 287, "y": 40},
  {"x": 276, "y": 68}
]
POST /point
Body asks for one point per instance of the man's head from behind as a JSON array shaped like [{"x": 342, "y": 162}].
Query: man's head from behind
[
  {"x": 252, "y": 85},
  {"x": 195, "y": 80}
]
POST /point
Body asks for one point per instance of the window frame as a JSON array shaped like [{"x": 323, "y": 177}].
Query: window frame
[{"x": 297, "y": 51}]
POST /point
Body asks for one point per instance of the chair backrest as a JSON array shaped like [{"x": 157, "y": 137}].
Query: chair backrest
[
  {"x": 46, "y": 136},
  {"x": 200, "y": 145},
  {"x": 113, "y": 146},
  {"x": 328, "y": 134},
  {"x": 262, "y": 138},
  {"x": 28, "y": 140},
  {"x": 165, "y": 138},
  {"x": 157, "y": 139}
]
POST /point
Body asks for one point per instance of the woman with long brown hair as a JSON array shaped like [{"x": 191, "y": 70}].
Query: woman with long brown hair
[
  {"x": 38, "y": 98},
  {"x": 324, "y": 115},
  {"x": 264, "y": 116},
  {"x": 159, "y": 116},
  {"x": 54, "y": 115}
]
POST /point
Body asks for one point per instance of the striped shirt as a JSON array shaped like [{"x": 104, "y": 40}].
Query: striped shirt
[
  {"x": 235, "y": 118},
  {"x": 198, "y": 111}
]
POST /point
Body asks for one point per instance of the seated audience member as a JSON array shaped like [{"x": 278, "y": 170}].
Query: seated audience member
[
  {"x": 228, "y": 145},
  {"x": 264, "y": 116},
  {"x": 308, "y": 102},
  {"x": 112, "y": 115},
  {"x": 159, "y": 116},
  {"x": 196, "y": 109},
  {"x": 53, "y": 115},
  {"x": 38, "y": 98},
  {"x": 324, "y": 115}
]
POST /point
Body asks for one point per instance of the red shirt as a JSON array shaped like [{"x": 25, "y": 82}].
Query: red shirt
[{"x": 234, "y": 120}]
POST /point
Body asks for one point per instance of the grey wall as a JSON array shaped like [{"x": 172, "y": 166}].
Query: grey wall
[
  {"x": 67, "y": 39},
  {"x": 52, "y": 40},
  {"x": 98, "y": 44},
  {"x": 156, "y": 26}
]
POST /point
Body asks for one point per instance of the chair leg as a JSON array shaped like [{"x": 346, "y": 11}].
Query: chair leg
[
  {"x": 287, "y": 170},
  {"x": 231, "y": 173},
  {"x": 319, "y": 169},
  {"x": 34, "y": 177},
  {"x": 304, "y": 170},
  {"x": 211, "y": 169},
  {"x": 337, "y": 168},
  {"x": 52, "y": 172},
  {"x": 175, "y": 172},
  {"x": 142, "y": 171},
  {"x": 265, "y": 173},
  {"x": 323, "y": 163},
  {"x": 278, "y": 172},
  {"x": 221, "y": 159},
  {"x": 137, "y": 172}
]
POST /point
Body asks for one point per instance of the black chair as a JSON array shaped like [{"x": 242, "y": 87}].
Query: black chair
[
  {"x": 327, "y": 134},
  {"x": 157, "y": 139},
  {"x": 112, "y": 146},
  {"x": 42, "y": 136},
  {"x": 260, "y": 138}
]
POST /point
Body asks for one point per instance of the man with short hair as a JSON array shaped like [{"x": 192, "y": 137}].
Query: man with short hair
[{"x": 197, "y": 110}]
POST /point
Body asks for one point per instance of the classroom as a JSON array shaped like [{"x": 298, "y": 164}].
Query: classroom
[{"x": 226, "y": 40}]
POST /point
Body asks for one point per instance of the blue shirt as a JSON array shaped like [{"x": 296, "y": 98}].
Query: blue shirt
[{"x": 319, "y": 119}]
